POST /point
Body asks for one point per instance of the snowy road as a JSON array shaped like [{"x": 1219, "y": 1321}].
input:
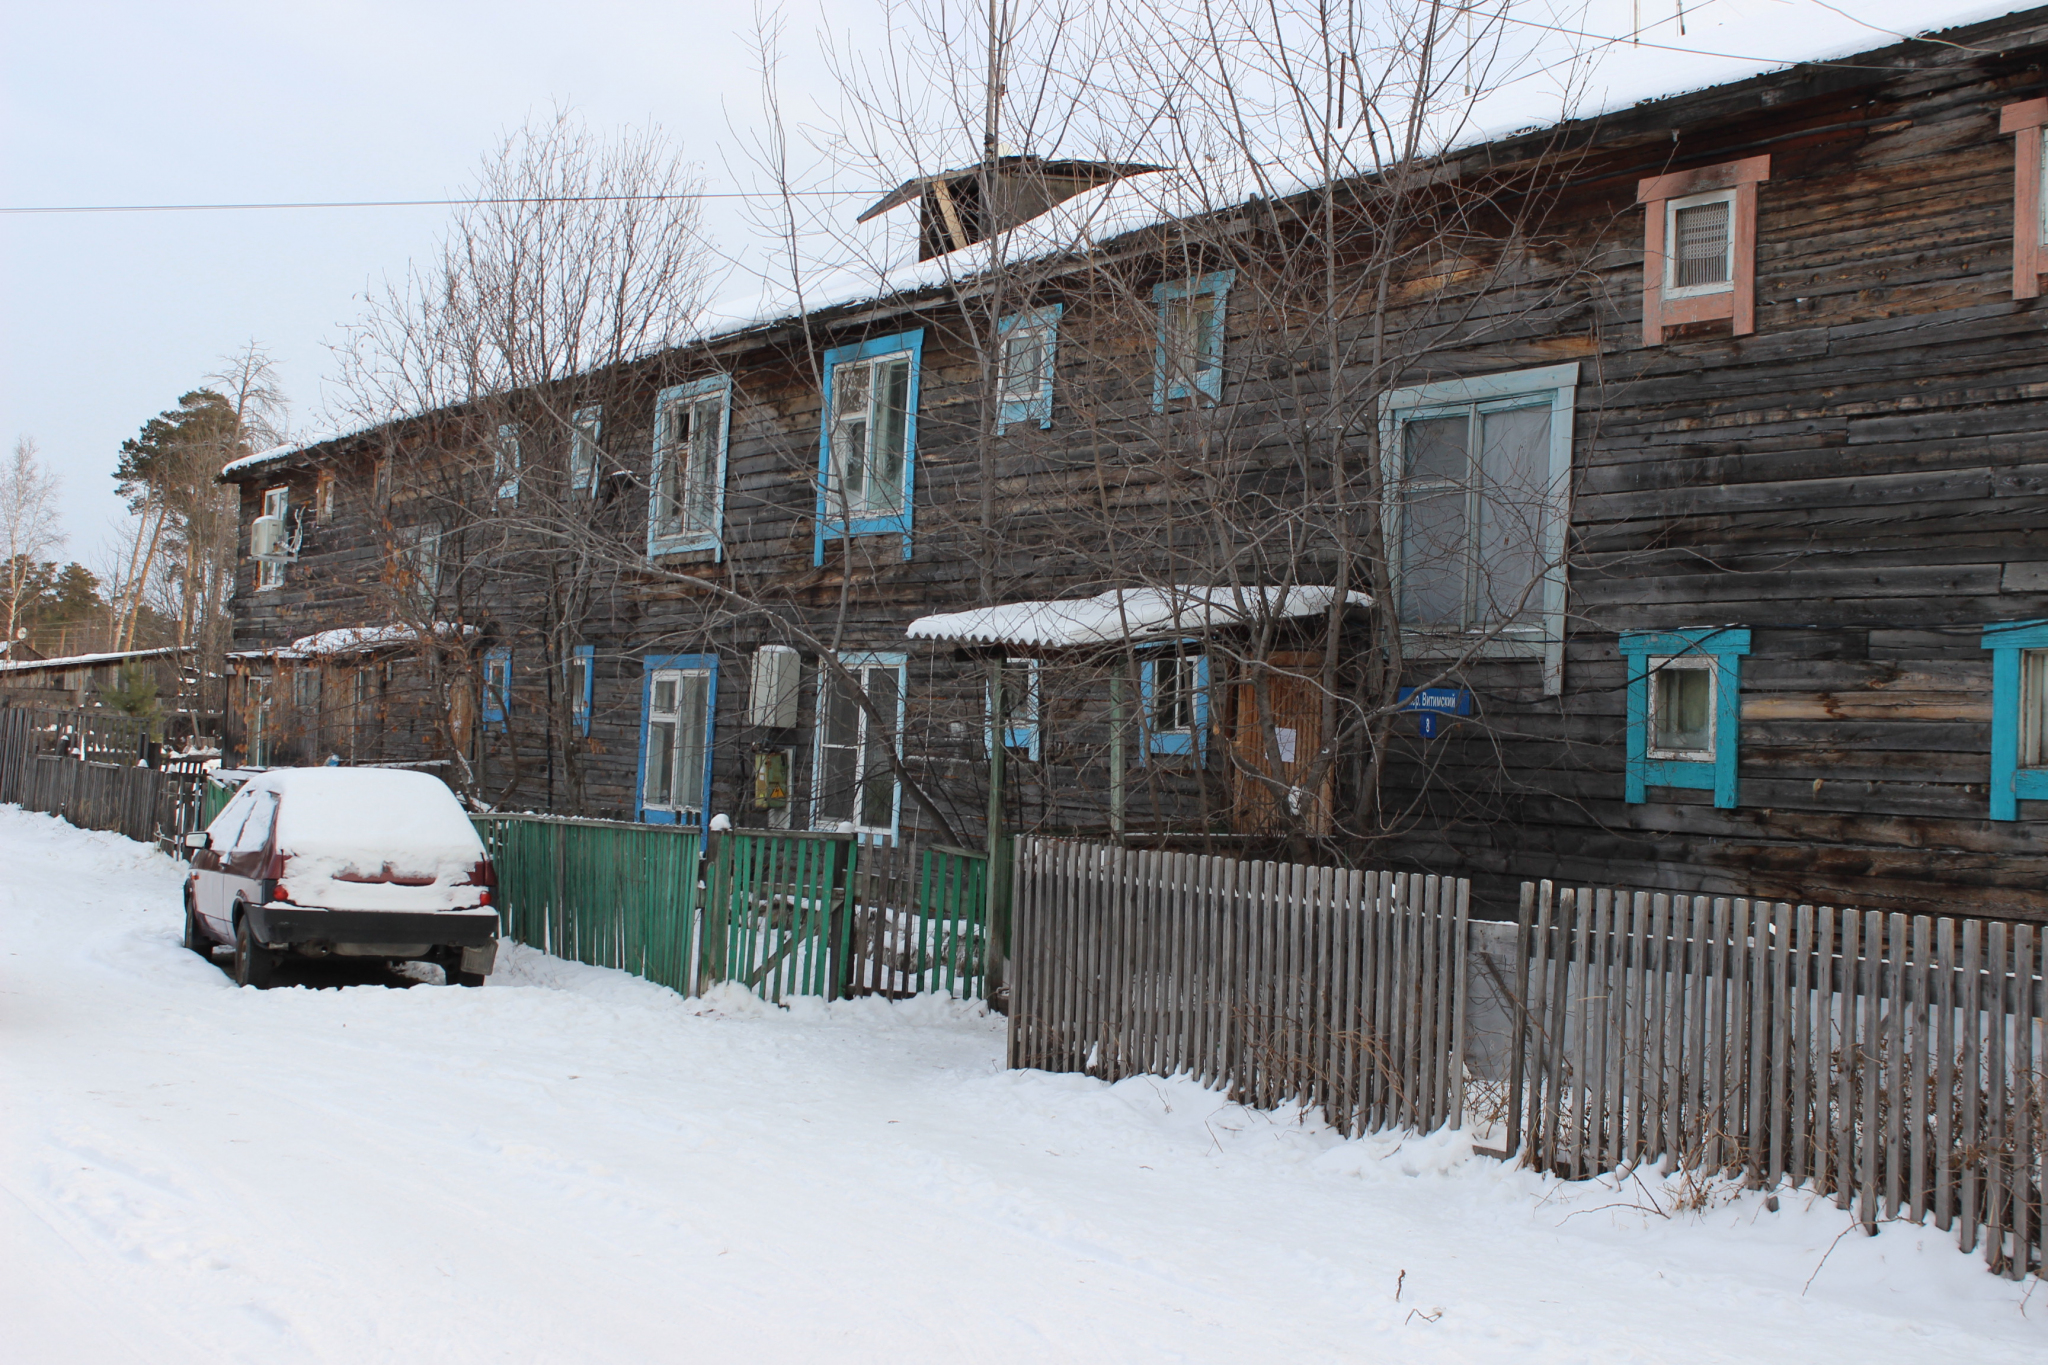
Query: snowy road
[{"x": 573, "y": 1165}]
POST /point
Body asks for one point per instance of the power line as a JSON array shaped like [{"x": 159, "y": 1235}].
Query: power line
[{"x": 426, "y": 203}]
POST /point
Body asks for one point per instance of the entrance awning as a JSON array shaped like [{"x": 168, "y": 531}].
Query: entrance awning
[{"x": 1133, "y": 614}]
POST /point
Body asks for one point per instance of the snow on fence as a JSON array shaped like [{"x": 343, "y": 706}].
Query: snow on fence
[
  {"x": 1341, "y": 990},
  {"x": 783, "y": 913},
  {"x": 1894, "y": 1062},
  {"x": 52, "y": 762}
]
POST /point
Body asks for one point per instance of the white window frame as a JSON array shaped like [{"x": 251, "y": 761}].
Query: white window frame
[
  {"x": 417, "y": 554},
  {"x": 1697, "y": 663},
  {"x": 1544, "y": 639},
  {"x": 680, "y": 670},
  {"x": 1014, "y": 404},
  {"x": 277, "y": 502},
  {"x": 860, "y": 665},
  {"x": 2033, "y": 727},
  {"x": 586, "y": 430},
  {"x": 1020, "y": 730},
  {"x": 1672, "y": 289},
  {"x": 867, "y": 509},
  {"x": 665, "y": 537}
]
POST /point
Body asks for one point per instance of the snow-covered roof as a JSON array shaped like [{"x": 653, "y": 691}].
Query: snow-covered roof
[
  {"x": 88, "y": 660},
  {"x": 351, "y": 640},
  {"x": 1126, "y": 614}
]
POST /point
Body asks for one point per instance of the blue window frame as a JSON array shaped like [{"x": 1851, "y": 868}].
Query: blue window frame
[
  {"x": 505, "y": 460},
  {"x": 497, "y": 684},
  {"x": 581, "y": 671},
  {"x": 1027, "y": 344},
  {"x": 852, "y": 781},
  {"x": 1020, "y": 700},
  {"x": 686, "y": 498},
  {"x": 867, "y": 440},
  {"x": 586, "y": 429},
  {"x": 678, "y": 719},
  {"x": 2019, "y": 715},
  {"x": 1174, "y": 688},
  {"x": 1684, "y": 710},
  {"x": 1189, "y": 357}
]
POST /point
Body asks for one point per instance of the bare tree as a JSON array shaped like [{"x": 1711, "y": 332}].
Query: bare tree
[
  {"x": 29, "y": 530},
  {"x": 577, "y": 255}
]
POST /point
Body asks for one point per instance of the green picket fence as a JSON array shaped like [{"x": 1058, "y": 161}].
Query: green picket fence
[{"x": 782, "y": 913}]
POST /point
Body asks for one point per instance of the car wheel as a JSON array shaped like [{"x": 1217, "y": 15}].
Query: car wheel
[
  {"x": 195, "y": 934},
  {"x": 253, "y": 961}
]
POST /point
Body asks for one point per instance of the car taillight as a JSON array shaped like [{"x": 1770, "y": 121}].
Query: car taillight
[
  {"x": 484, "y": 896},
  {"x": 281, "y": 892}
]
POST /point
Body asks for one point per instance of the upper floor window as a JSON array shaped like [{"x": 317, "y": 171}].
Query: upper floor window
[
  {"x": 1699, "y": 246},
  {"x": 1028, "y": 345},
  {"x": 2019, "y": 715},
  {"x": 868, "y": 448},
  {"x": 323, "y": 497},
  {"x": 690, "y": 428},
  {"x": 505, "y": 460},
  {"x": 1478, "y": 472},
  {"x": 416, "y": 562},
  {"x": 585, "y": 426},
  {"x": 2029, "y": 205},
  {"x": 1190, "y": 351},
  {"x": 277, "y": 503}
]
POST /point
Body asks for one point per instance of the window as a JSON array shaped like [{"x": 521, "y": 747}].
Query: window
[
  {"x": 362, "y": 694},
  {"x": 585, "y": 426},
  {"x": 854, "y": 780},
  {"x": 1020, "y": 704},
  {"x": 690, "y": 422},
  {"x": 678, "y": 708},
  {"x": 1027, "y": 345},
  {"x": 868, "y": 449},
  {"x": 306, "y": 703},
  {"x": 1175, "y": 689},
  {"x": 2019, "y": 715},
  {"x": 2029, "y": 204},
  {"x": 1699, "y": 246},
  {"x": 323, "y": 497},
  {"x": 581, "y": 679},
  {"x": 277, "y": 502},
  {"x": 1480, "y": 471},
  {"x": 259, "y": 725},
  {"x": 497, "y": 684},
  {"x": 1190, "y": 359},
  {"x": 416, "y": 562},
  {"x": 1701, "y": 231},
  {"x": 1684, "y": 710},
  {"x": 505, "y": 461}
]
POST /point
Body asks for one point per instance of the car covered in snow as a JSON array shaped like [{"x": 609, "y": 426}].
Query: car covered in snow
[{"x": 343, "y": 862}]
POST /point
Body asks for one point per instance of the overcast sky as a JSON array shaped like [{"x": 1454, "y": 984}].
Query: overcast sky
[{"x": 108, "y": 318}]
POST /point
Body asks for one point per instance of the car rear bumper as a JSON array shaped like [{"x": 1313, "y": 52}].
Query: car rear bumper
[{"x": 299, "y": 924}]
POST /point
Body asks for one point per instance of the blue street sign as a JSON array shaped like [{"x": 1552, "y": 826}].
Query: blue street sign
[{"x": 1435, "y": 703}]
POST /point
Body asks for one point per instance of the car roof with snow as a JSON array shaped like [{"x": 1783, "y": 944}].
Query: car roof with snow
[{"x": 349, "y": 810}]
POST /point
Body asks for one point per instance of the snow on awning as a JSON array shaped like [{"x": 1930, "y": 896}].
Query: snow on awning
[
  {"x": 1126, "y": 614},
  {"x": 352, "y": 640}
]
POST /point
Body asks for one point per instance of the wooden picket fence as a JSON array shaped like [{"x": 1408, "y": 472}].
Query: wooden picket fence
[
  {"x": 62, "y": 764},
  {"x": 1892, "y": 1062},
  {"x": 1336, "y": 989},
  {"x": 781, "y": 913}
]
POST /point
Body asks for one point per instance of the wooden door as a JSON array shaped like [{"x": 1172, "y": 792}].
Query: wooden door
[{"x": 1284, "y": 756}]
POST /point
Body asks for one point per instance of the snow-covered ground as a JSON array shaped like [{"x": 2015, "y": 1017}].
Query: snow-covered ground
[{"x": 574, "y": 1165}]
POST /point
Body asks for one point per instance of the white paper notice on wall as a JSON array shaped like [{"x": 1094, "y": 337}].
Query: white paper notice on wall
[{"x": 1283, "y": 739}]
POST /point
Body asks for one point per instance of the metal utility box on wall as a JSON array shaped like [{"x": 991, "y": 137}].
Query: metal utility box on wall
[
  {"x": 771, "y": 779},
  {"x": 772, "y": 696}
]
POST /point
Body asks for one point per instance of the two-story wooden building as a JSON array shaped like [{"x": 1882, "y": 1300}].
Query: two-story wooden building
[{"x": 1658, "y": 499}]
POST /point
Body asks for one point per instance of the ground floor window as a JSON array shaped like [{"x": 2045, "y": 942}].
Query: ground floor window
[
  {"x": 2019, "y": 715},
  {"x": 855, "y": 782},
  {"x": 1684, "y": 710},
  {"x": 678, "y": 708},
  {"x": 1175, "y": 685}
]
